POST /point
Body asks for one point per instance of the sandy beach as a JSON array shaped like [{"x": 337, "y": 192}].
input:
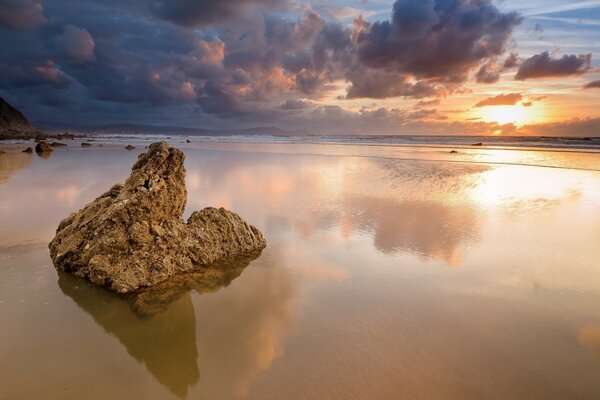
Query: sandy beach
[{"x": 391, "y": 272}]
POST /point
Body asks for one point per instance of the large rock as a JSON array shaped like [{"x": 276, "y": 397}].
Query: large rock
[{"x": 134, "y": 236}]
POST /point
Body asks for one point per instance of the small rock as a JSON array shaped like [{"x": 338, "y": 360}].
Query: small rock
[
  {"x": 477, "y": 144},
  {"x": 453, "y": 152},
  {"x": 85, "y": 144},
  {"x": 188, "y": 141},
  {"x": 129, "y": 147},
  {"x": 28, "y": 150},
  {"x": 58, "y": 144},
  {"x": 42, "y": 147}
]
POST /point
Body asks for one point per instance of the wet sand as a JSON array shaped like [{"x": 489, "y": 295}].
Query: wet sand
[{"x": 391, "y": 272}]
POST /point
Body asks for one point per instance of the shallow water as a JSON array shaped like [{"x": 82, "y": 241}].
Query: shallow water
[{"x": 390, "y": 273}]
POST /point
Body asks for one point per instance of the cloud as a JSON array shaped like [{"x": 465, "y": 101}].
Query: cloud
[
  {"x": 544, "y": 66},
  {"x": 488, "y": 74},
  {"x": 205, "y": 60},
  {"x": 44, "y": 73},
  {"x": 21, "y": 14},
  {"x": 422, "y": 114},
  {"x": 76, "y": 43},
  {"x": 512, "y": 61},
  {"x": 573, "y": 127},
  {"x": 428, "y": 103},
  {"x": 439, "y": 39},
  {"x": 592, "y": 84},
  {"x": 508, "y": 99},
  {"x": 380, "y": 85},
  {"x": 193, "y": 13},
  {"x": 293, "y": 104}
]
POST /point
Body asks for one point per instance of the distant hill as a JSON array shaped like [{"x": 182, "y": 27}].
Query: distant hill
[
  {"x": 133, "y": 129},
  {"x": 13, "y": 124}
]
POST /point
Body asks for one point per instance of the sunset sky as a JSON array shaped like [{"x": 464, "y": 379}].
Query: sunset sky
[{"x": 326, "y": 66}]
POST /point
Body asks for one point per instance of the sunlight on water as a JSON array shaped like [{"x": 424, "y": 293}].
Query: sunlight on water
[{"x": 390, "y": 273}]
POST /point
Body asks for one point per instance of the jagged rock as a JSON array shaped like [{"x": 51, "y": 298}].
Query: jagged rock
[
  {"x": 28, "y": 150},
  {"x": 133, "y": 235},
  {"x": 129, "y": 147},
  {"x": 42, "y": 147}
]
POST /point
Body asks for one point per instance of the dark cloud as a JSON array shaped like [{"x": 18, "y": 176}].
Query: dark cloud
[
  {"x": 380, "y": 85},
  {"x": 592, "y": 84},
  {"x": 191, "y": 13},
  {"x": 508, "y": 99},
  {"x": 77, "y": 44},
  {"x": 512, "y": 61},
  {"x": 205, "y": 61},
  {"x": 21, "y": 14},
  {"x": 544, "y": 66},
  {"x": 46, "y": 73},
  {"x": 293, "y": 104},
  {"x": 488, "y": 74},
  {"x": 441, "y": 39}
]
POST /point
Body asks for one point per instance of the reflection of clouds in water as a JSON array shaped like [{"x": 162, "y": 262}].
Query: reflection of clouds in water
[
  {"x": 431, "y": 230},
  {"x": 68, "y": 194},
  {"x": 590, "y": 338},
  {"x": 417, "y": 207},
  {"x": 241, "y": 329},
  {"x": 49, "y": 190},
  {"x": 11, "y": 162}
]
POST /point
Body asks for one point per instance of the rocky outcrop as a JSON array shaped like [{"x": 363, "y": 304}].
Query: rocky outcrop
[
  {"x": 43, "y": 147},
  {"x": 13, "y": 124},
  {"x": 133, "y": 235}
]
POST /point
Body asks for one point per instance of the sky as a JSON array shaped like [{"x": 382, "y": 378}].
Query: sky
[{"x": 459, "y": 67}]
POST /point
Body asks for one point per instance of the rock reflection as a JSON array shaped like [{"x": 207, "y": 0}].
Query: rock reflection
[
  {"x": 45, "y": 154},
  {"x": 156, "y": 299},
  {"x": 157, "y": 326},
  {"x": 429, "y": 229},
  {"x": 12, "y": 162}
]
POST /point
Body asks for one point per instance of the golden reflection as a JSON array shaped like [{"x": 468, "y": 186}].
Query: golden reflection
[
  {"x": 12, "y": 162},
  {"x": 241, "y": 329},
  {"x": 590, "y": 337},
  {"x": 521, "y": 185}
]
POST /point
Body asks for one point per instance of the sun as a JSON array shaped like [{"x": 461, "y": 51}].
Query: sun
[{"x": 517, "y": 114}]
